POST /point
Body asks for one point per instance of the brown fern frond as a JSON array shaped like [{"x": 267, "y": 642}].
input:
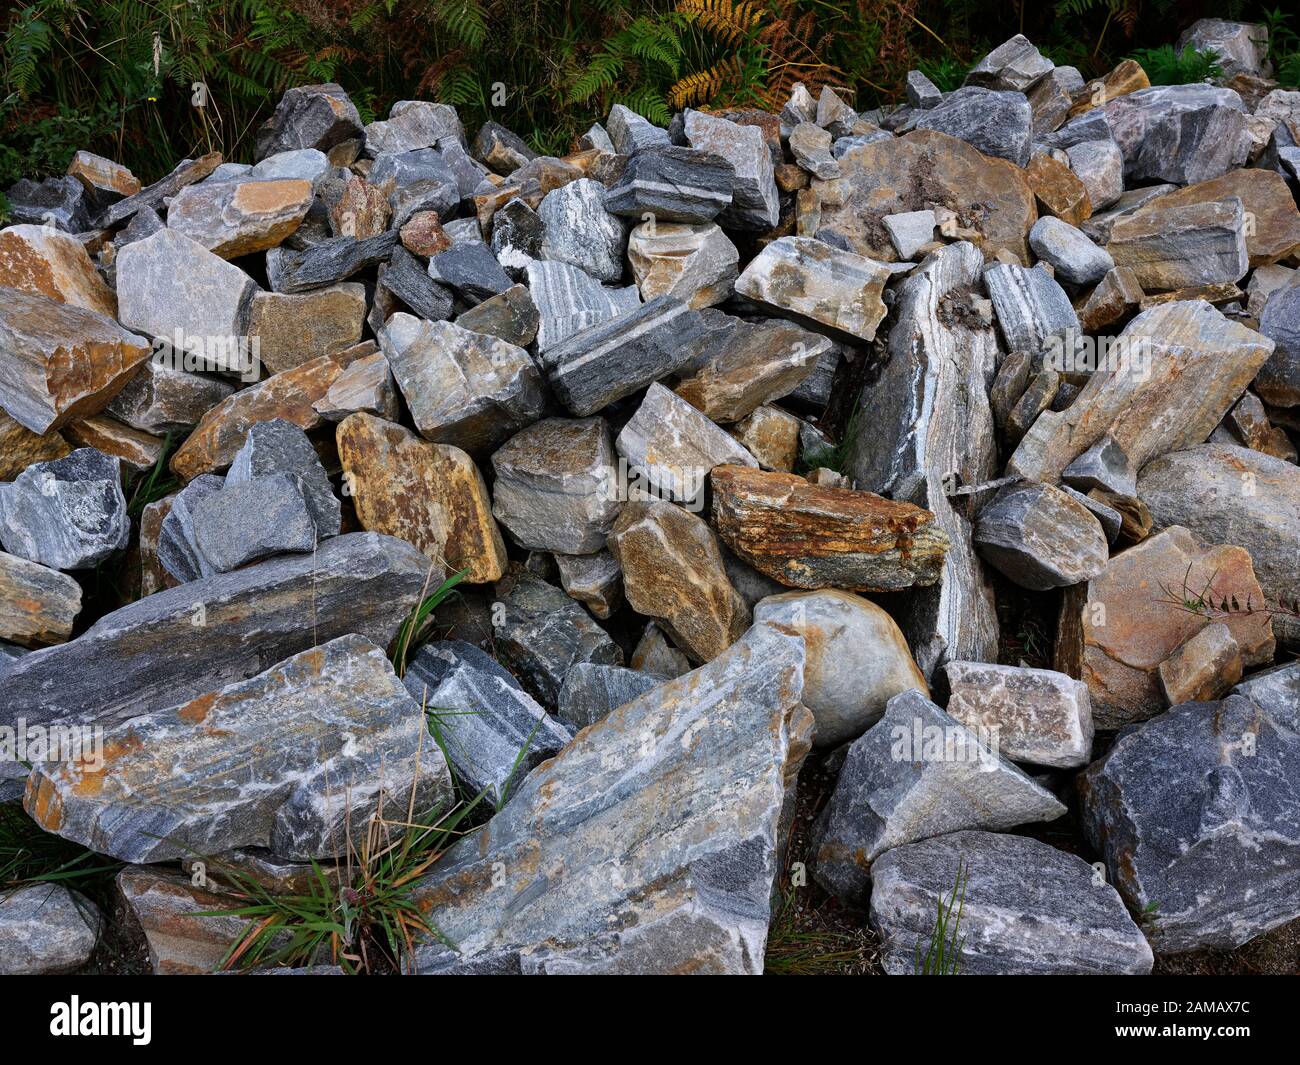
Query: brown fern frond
[
  {"x": 729, "y": 22},
  {"x": 433, "y": 74},
  {"x": 1128, "y": 17},
  {"x": 705, "y": 85}
]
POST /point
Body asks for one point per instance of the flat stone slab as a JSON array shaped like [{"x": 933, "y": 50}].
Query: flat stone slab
[
  {"x": 1028, "y": 909},
  {"x": 692, "y": 779},
  {"x": 37, "y": 605},
  {"x": 297, "y": 759}
]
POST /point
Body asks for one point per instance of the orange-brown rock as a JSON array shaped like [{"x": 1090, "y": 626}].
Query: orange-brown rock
[
  {"x": 103, "y": 176},
  {"x": 1118, "y": 628},
  {"x": 430, "y": 495},
  {"x": 37, "y": 604},
  {"x": 1127, "y": 77},
  {"x": 153, "y": 574},
  {"x": 289, "y": 395},
  {"x": 990, "y": 197},
  {"x": 1272, "y": 223},
  {"x": 138, "y": 450},
  {"x": 806, "y": 536},
  {"x": 423, "y": 234},
  {"x": 20, "y": 447},
  {"x": 673, "y": 572},
  {"x": 1058, "y": 191},
  {"x": 361, "y": 211},
  {"x": 1112, "y": 302},
  {"x": 59, "y": 363},
  {"x": 234, "y": 218},
  {"x": 771, "y": 436},
  {"x": 294, "y": 328},
  {"x": 1218, "y": 293},
  {"x": 52, "y": 263}
]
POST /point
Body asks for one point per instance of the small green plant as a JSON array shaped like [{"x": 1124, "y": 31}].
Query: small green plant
[
  {"x": 942, "y": 956},
  {"x": 1283, "y": 46},
  {"x": 793, "y": 950},
  {"x": 836, "y": 456},
  {"x": 1211, "y": 605},
  {"x": 152, "y": 486},
  {"x": 415, "y": 629},
  {"x": 944, "y": 70},
  {"x": 1167, "y": 66},
  {"x": 29, "y": 854}
]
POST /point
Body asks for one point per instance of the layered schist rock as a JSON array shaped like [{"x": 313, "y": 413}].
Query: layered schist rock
[{"x": 697, "y": 896}]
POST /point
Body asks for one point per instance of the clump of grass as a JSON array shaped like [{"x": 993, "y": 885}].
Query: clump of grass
[
  {"x": 416, "y": 628},
  {"x": 835, "y": 456},
  {"x": 30, "y": 855},
  {"x": 942, "y": 956},
  {"x": 152, "y": 486},
  {"x": 801, "y": 947}
]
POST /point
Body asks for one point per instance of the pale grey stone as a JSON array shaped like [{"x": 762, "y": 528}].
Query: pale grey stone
[
  {"x": 811, "y": 147},
  {"x": 909, "y": 231},
  {"x": 595, "y": 581},
  {"x": 46, "y": 928},
  {"x": 419, "y": 180},
  {"x": 996, "y": 123},
  {"x": 1032, "y": 309},
  {"x": 629, "y": 131},
  {"x": 1240, "y": 47},
  {"x": 1040, "y": 538},
  {"x": 411, "y": 125},
  {"x": 1075, "y": 258},
  {"x": 569, "y": 301},
  {"x": 1099, "y": 165},
  {"x": 591, "y": 691},
  {"x": 922, "y": 93},
  {"x": 755, "y": 202},
  {"x": 161, "y": 399},
  {"x": 178, "y": 549},
  {"x": 581, "y": 232},
  {"x": 254, "y": 519},
  {"x": 1178, "y": 133},
  {"x": 1278, "y": 381},
  {"x": 1014, "y": 65}
]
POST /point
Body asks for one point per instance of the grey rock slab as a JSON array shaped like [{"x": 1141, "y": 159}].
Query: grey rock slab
[
  {"x": 676, "y": 446},
  {"x": 278, "y": 446},
  {"x": 463, "y": 388},
  {"x": 366, "y": 386},
  {"x": 1032, "y": 309},
  {"x": 306, "y": 164},
  {"x": 616, "y": 358},
  {"x": 420, "y": 180},
  {"x": 1041, "y": 538},
  {"x": 408, "y": 279},
  {"x": 755, "y": 203},
  {"x": 1052, "y": 97},
  {"x": 673, "y": 184},
  {"x": 922, "y": 93},
  {"x": 695, "y": 263},
  {"x": 909, "y": 231},
  {"x": 492, "y": 731},
  {"x": 629, "y": 132},
  {"x": 1099, "y": 165},
  {"x": 46, "y": 928},
  {"x": 581, "y": 232},
  {"x": 254, "y": 519},
  {"x": 569, "y": 301},
  {"x": 591, "y": 691},
  {"x": 326, "y": 263},
  {"x": 471, "y": 270},
  {"x": 500, "y": 149},
  {"x": 856, "y": 658},
  {"x": 187, "y": 172},
  {"x": 168, "y": 283},
  {"x": 1028, "y": 909},
  {"x": 555, "y": 486},
  {"x": 309, "y": 116},
  {"x": 61, "y": 202},
  {"x": 161, "y": 399},
  {"x": 512, "y": 317},
  {"x": 1014, "y": 65},
  {"x": 66, "y": 514},
  {"x": 1104, "y": 465},
  {"x": 541, "y": 633},
  {"x": 917, "y": 773},
  {"x": 297, "y": 759},
  {"x": 411, "y": 125},
  {"x": 1041, "y": 716},
  {"x": 1098, "y": 226},
  {"x": 811, "y": 147},
  {"x": 814, "y": 281},
  {"x": 1278, "y": 381},
  {"x": 998, "y": 124},
  {"x": 235, "y": 218},
  {"x": 926, "y": 417},
  {"x": 1178, "y": 133},
  {"x": 178, "y": 549},
  {"x": 595, "y": 581},
  {"x": 1074, "y": 257},
  {"x": 183, "y": 642},
  {"x": 1197, "y": 832},
  {"x": 1241, "y": 47},
  {"x": 1168, "y": 248},
  {"x": 651, "y": 843}
]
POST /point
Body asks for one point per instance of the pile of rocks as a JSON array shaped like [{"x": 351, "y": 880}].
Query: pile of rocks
[{"x": 613, "y": 391}]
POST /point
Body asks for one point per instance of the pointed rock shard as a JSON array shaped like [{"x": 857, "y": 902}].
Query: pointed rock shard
[
  {"x": 913, "y": 173},
  {"x": 1141, "y": 399},
  {"x": 915, "y": 774},
  {"x": 37, "y": 605},
  {"x": 1066, "y": 923},
  {"x": 1116, "y": 630},
  {"x": 215, "y": 773},
  {"x": 1014, "y": 65},
  {"x": 60, "y": 363},
  {"x": 366, "y": 387},
  {"x": 927, "y": 416},
  {"x": 812, "y": 280},
  {"x": 492, "y": 731},
  {"x": 606, "y": 362},
  {"x": 1209, "y": 846},
  {"x": 430, "y": 495},
  {"x": 673, "y": 572},
  {"x": 52, "y": 263},
  {"x": 359, "y": 583},
  {"x": 810, "y": 537},
  {"x": 281, "y": 447},
  {"x": 730, "y": 738}
]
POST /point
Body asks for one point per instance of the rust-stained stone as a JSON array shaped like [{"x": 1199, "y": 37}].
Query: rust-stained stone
[
  {"x": 1272, "y": 222},
  {"x": 52, "y": 263},
  {"x": 153, "y": 575},
  {"x": 1203, "y": 669},
  {"x": 806, "y": 536},
  {"x": 771, "y": 436},
  {"x": 366, "y": 386},
  {"x": 673, "y": 572},
  {"x": 915, "y": 172},
  {"x": 138, "y": 450},
  {"x": 37, "y": 605},
  {"x": 293, "y": 329},
  {"x": 1135, "y": 518},
  {"x": 422, "y": 234},
  {"x": 289, "y": 395},
  {"x": 177, "y": 918},
  {"x": 1115, "y": 298},
  {"x": 1117, "y": 629},
  {"x": 234, "y": 218},
  {"x": 361, "y": 211},
  {"x": 102, "y": 176},
  {"x": 431, "y": 495},
  {"x": 1125, "y": 78},
  {"x": 59, "y": 363},
  {"x": 1220, "y": 292},
  {"x": 20, "y": 447},
  {"x": 1058, "y": 191}
]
